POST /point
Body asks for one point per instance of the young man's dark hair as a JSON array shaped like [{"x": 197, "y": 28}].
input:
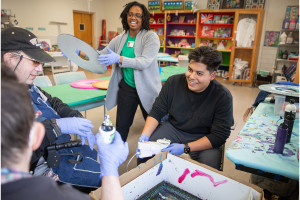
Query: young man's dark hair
[
  {"x": 145, "y": 16},
  {"x": 208, "y": 56},
  {"x": 17, "y": 117}
]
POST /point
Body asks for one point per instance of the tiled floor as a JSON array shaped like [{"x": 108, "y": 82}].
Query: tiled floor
[{"x": 243, "y": 97}]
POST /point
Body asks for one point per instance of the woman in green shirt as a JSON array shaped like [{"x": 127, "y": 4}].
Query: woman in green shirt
[{"x": 135, "y": 76}]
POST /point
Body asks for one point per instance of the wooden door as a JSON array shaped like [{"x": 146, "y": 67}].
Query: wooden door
[{"x": 83, "y": 26}]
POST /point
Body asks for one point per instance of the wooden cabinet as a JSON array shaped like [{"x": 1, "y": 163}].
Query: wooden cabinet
[
  {"x": 228, "y": 32},
  {"x": 215, "y": 29},
  {"x": 180, "y": 31},
  {"x": 245, "y": 45},
  {"x": 157, "y": 24}
]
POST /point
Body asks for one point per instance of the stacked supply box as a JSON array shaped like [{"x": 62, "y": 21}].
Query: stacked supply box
[
  {"x": 195, "y": 180},
  {"x": 188, "y": 5},
  {"x": 172, "y": 5},
  {"x": 154, "y": 5}
]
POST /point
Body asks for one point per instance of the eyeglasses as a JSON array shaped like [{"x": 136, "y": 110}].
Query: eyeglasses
[
  {"x": 35, "y": 63},
  {"x": 137, "y": 15}
]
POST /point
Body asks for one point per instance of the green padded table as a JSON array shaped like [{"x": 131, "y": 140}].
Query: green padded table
[{"x": 85, "y": 99}]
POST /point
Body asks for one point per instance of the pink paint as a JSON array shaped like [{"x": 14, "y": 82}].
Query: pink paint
[
  {"x": 182, "y": 177},
  {"x": 199, "y": 173}
]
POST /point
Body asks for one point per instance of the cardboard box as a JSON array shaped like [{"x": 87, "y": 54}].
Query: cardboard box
[
  {"x": 154, "y": 5},
  {"x": 191, "y": 176},
  {"x": 188, "y": 4},
  {"x": 173, "y": 5}
]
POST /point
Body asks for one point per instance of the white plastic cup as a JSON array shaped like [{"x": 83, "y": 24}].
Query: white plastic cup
[{"x": 279, "y": 105}]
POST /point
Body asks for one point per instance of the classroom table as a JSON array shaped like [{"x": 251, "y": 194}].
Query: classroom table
[
  {"x": 163, "y": 57},
  {"x": 252, "y": 149},
  {"x": 85, "y": 99}
]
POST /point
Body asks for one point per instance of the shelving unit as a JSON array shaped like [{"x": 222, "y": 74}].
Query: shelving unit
[
  {"x": 246, "y": 52},
  {"x": 217, "y": 31},
  {"x": 184, "y": 24},
  {"x": 180, "y": 36},
  {"x": 290, "y": 47},
  {"x": 158, "y": 25}
]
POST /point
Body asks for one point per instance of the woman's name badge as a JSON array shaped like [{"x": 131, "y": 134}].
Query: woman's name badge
[{"x": 130, "y": 43}]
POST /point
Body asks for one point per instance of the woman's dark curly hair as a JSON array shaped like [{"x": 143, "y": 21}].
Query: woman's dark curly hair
[{"x": 145, "y": 17}]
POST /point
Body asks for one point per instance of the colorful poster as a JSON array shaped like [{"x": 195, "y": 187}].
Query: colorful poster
[{"x": 271, "y": 38}]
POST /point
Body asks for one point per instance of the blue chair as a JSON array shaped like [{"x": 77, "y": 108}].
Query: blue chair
[
  {"x": 68, "y": 77},
  {"x": 42, "y": 81}
]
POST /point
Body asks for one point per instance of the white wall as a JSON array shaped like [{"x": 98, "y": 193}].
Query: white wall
[
  {"x": 273, "y": 18},
  {"x": 39, "y": 13}
]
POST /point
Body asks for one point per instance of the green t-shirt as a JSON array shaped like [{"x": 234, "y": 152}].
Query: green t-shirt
[{"x": 128, "y": 51}]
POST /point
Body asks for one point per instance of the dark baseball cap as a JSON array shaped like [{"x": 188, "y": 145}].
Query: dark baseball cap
[{"x": 19, "y": 39}]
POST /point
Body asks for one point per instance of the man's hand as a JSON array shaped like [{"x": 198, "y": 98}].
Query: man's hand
[
  {"x": 109, "y": 59},
  {"x": 174, "y": 148},
  {"x": 143, "y": 138},
  {"x": 111, "y": 155},
  {"x": 78, "y": 126}
]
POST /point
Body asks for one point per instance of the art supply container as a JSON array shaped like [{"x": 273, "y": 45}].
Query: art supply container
[
  {"x": 289, "y": 117},
  {"x": 107, "y": 130},
  {"x": 279, "y": 102},
  {"x": 280, "y": 140}
]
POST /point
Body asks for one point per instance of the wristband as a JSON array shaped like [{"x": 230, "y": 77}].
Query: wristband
[{"x": 187, "y": 149}]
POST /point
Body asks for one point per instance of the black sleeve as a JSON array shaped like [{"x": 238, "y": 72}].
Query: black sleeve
[
  {"x": 50, "y": 137},
  {"x": 61, "y": 108},
  {"x": 161, "y": 104},
  {"x": 223, "y": 120}
]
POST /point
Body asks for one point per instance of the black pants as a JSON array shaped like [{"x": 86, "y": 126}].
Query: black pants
[
  {"x": 127, "y": 101},
  {"x": 210, "y": 157}
]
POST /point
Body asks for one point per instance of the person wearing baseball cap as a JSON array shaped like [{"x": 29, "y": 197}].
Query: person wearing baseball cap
[{"x": 21, "y": 52}]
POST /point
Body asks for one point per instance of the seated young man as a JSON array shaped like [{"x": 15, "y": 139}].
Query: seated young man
[
  {"x": 199, "y": 108},
  {"x": 21, "y": 52},
  {"x": 20, "y": 135}
]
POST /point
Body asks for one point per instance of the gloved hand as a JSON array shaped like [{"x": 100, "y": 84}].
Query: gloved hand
[
  {"x": 90, "y": 139},
  {"x": 77, "y": 52},
  {"x": 78, "y": 126},
  {"x": 109, "y": 59},
  {"x": 174, "y": 148},
  {"x": 143, "y": 138},
  {"x": 111, "y": 155}
]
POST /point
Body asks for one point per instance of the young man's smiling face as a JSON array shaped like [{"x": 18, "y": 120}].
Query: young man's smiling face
[{"x": 198, "y": 77}]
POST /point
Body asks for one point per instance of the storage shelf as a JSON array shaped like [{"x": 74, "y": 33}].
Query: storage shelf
[
  {"x": 202, "y": 24},
  {"x": 288, "y": 45},
  {"x": 283, "y": 60},
  {"x": 287, "y": 30},
  {"x": 249, "y": 48},
  {"x": 220, "y": 38},
  {"x": 157, "y": 24},
  {"x": 228, "y": 51},
  {"x": 170, "y": 47},
  {"x": 192, "y": 24},
  {"x": 181, "y": 36}
]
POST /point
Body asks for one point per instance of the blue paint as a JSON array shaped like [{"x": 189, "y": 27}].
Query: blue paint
[
  {"x": 160, "y": 157},
  {"x": 159, "y": 169},
  {"x": 155, "y": 161},
  {"x": 139, "y": 168}
]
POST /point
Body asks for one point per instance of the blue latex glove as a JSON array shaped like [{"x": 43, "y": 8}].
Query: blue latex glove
[
  {"x": 77, "y": 52},
  {"x": 109, "y": 59},
  {"x": 143, "y": 138},
  {"x": 90, "y": 139},
  {"x": 174, "y": 148},
  {"x": 111, "y": 155},
  {"x": 78, "y": 126}
]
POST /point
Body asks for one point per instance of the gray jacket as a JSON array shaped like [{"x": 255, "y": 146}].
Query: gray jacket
[{"x": 146, "y": 73}]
